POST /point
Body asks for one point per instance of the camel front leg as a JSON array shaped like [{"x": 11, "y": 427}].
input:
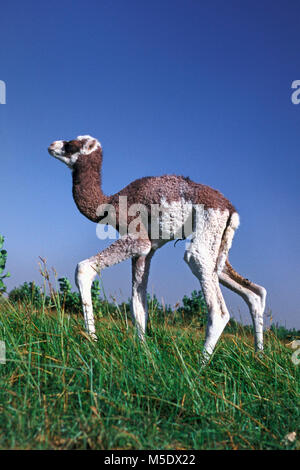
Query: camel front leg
[
  {"x": 84, "y": 276},
  {"x": 86, "y": 271},
  {"x": 140, "y": 275}
]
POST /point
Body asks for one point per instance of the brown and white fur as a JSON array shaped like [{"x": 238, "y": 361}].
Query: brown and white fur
[{"x": 214, "y": 221}]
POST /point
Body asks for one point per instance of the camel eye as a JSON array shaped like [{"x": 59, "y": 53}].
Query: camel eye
[
  {"x": 71, "y": 147},
  {"x": 68, "y": 147}
]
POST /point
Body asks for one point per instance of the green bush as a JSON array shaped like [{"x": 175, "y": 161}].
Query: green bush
[
  {"x": 283, "y": 333},
  {"x": 194, "y": 306},
  {"x": 3, "y": 257},
  {"x": 71, "y": 300},
  {"x": 31, "y": 294}
]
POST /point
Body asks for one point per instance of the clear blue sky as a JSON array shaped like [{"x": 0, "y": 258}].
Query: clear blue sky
[{"x": 199, "y": 88}]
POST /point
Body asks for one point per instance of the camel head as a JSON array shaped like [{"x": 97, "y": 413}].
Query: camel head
[{"x": 70, "y": 151}]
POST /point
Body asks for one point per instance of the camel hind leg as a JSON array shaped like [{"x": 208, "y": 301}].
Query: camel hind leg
[
  {"x": 202, "y": 256},
  {"x": 254, "y": 296},
  {"x": 218, "y": 315}
]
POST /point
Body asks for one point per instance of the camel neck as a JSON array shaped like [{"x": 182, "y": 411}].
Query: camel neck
[{"x": 87, "y": 192}]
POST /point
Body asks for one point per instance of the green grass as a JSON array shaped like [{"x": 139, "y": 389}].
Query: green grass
[{"x": 59, "y": 390}]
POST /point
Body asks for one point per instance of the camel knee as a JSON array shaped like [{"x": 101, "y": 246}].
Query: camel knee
[
  {"x": 225, "y": 317},
  {"x": 263, "y": 296},
  {"x": 200, "y": 263},
  {"x": 257, "y": 298},
  {"x": 85, "y": 273}
]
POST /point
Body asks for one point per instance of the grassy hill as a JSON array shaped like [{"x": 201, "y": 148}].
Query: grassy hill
[{"x": 59, "y": 390}]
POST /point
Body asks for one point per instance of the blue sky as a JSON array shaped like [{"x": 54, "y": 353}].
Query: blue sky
[{"x": 199, "y": 88}]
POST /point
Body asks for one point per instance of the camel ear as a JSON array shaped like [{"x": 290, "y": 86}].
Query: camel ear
[{"x": 89, "y": 144}]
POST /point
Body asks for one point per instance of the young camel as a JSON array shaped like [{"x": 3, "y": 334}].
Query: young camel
[{"x": 183, "y": 208}]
